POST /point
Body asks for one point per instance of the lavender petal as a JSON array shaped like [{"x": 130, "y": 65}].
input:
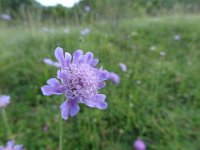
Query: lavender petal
[
  {"x": 60, "y": 56},
  {"x": 74, "y": 109},
  {"x": 94, "y": 62},
  {"x": 65, "y": 107},
  {"x": 76, "y": 56},
  {"x": 97, "y": 101},
  {"x": 89, "y": 57},
  {"x": 68, "y": 58}
]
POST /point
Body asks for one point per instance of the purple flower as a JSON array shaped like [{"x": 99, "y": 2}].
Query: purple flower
[
  {"x": 11, "y": 146},
  {"x": 79, "y": 80},
  {"x": 4, "y": 101},
  {"x": 177, "y": 37},
  {"x": 123, "y": 67},
  {"x": 114, "y": 77},
  {"x": 6, "y": 17},
  {"x": 87, "y": 8},
  {"x": 85, "y": 31},
  {"x": 139, "y": 145},
  {"x": 50, "y": 62}
]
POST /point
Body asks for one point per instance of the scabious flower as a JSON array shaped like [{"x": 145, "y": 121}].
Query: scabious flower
[
  {"x": 87, "y": 8},
  {"x": 50, "y": 62},
  {"x": 139, "y": 145},
  {"x": 4, "y": 101},
  {"x": 114, "y": 77},
  {"x": 12, "y": 146},
  {"x": 85, "y": 31},
  {"x": 79, "y": 80},
  {"x": 123, "y": 67},
  {"x": 6, "y": 17},
  {"x": 177, "y": 37}
]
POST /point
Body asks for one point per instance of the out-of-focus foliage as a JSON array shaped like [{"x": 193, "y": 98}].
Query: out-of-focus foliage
[{"x": 30, "y": 9}]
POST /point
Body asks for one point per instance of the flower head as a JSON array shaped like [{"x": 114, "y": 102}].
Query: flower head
[
  {"x": 123, "y": 67},
  {"x": 87, "y": 8},
  {"x": 6, "y": 17},
  {"x": 162, "y": 54},
  {"x": 177, "y": 37},
  {"x": 12, "y": 146},
  {"x": 139, "y": 145},
  {"x": 85, "y": 31},
  {"x": 79, "y": 80},
  {"x": 114, "y": 77},
  {"x": 4, "y": 101}
]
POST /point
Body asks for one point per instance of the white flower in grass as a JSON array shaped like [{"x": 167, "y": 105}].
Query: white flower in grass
[
  {"x": 162, "y": 54},
  {"x": 152, "y": 48}
]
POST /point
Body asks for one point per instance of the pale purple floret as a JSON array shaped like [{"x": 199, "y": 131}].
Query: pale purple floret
[
  {"x": 139, "y": 145},
  {"x": 87, "y": 8},
  {"x": 177, "y": 37},
  {"x": 114, "y": 77},
  {"x": 50, "y": 62},
  {"x": 78, "y": 80},
  {"x": 12, "y": 146},
  {"x": 4, "y": 101},
  {"x": 85, "y": 31},
  {"x": 6, "y": 17},
  {"x": 123, "y": 67}
]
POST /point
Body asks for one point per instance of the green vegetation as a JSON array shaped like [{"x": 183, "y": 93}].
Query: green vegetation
[
  {"x": 157, "y": 99},
  {"x": 27, "y": 10}
]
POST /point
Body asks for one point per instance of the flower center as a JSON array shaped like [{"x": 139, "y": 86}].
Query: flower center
[{"x": 81, "y": 82}]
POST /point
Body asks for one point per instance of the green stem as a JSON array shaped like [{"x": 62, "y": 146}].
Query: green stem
[
  {"x": 60, "y": 124},
  {"x": 6, "y": 122}
]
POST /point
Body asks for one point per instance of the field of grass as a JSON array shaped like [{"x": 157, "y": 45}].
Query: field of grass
[{"x": 158, "y": 99}]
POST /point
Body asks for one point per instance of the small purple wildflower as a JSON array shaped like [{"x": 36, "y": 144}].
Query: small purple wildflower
[
  {"x": 139, "y": 145},
  {"x": 87, "y": 8},
  {"x": 177, "y": 37},
  {"x": 6, "y": 17},
  {"x": 50, "y": 62},
  {"x": 79, "y": 80},
  {"x": 45, "y": 128},
  {"x": 114, "y": 77},
  {"x": 85, "y": 31},
  {"x": 123, "y": 67},
  {"x": 11, "y": 146},
  {"x": 4, "y": 101}
]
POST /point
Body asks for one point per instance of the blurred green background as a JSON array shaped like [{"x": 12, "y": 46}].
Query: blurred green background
[{"x": 157, "y": 100}]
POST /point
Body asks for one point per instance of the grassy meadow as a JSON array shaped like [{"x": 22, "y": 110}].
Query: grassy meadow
[{"x": 157, "y": 100}]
